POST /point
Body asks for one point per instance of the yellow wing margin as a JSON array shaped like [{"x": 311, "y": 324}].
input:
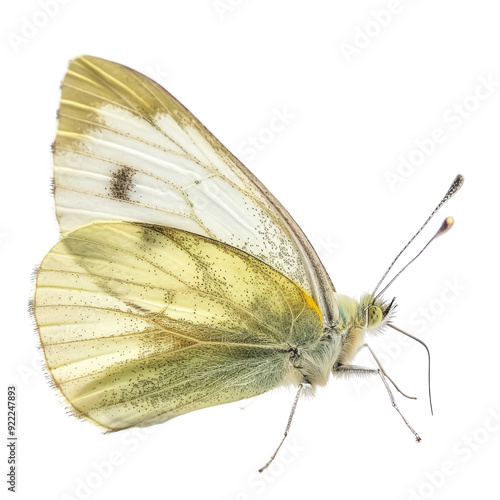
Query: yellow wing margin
[{"x": 142, "y": 323}]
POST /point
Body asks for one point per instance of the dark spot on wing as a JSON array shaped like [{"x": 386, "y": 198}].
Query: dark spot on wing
[{"x": 121, "y": 183}]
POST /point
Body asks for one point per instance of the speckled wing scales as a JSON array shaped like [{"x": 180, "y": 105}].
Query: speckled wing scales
[
  {"x": 127, "y": 150},
  {"x": 142, "y": 323}
]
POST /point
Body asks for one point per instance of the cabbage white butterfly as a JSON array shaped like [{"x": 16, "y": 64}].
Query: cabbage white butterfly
[{"x": 179, "y": 281}]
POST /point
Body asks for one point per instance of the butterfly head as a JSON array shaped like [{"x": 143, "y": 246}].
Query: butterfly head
[{"x": 377, "y": 312}]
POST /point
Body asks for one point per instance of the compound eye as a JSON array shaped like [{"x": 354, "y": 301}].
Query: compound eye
[{"x": 375, "y": 316}]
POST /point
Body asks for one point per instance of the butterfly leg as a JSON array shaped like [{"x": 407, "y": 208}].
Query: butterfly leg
[
  {"x": 297, "y": 396},
  {"x": 385, "y": 373},
  {"x": 361, "y": 370}
]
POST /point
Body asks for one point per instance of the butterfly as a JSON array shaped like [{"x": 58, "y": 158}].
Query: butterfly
[{"x": 179, "y": 282}]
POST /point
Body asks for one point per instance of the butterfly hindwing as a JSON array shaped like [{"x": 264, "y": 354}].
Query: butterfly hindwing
[{"x": 142, "y": 323}]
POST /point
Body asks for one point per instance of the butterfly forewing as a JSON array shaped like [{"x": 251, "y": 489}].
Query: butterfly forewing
[{"x": 127, "y": 150}]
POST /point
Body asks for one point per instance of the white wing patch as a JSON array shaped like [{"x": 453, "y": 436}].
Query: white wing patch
[{"x": 162, "y": 186}]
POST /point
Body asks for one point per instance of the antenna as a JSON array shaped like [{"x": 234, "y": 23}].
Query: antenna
[
  {"x": 455, "y": 186},
  {"x": 445, "y": 227}
]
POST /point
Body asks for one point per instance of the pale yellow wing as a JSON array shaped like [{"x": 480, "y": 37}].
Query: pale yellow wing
[
  {"x": 140, "y": 323},
  {"x": 127, "y": 150}
]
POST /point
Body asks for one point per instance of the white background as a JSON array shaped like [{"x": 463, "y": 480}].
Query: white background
[{"x": 234, "y": 64}]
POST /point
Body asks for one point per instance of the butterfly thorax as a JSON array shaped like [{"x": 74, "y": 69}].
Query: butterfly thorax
[
  {"x": 355, "y": 319},
  {"x": 313, "y": 362}
]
